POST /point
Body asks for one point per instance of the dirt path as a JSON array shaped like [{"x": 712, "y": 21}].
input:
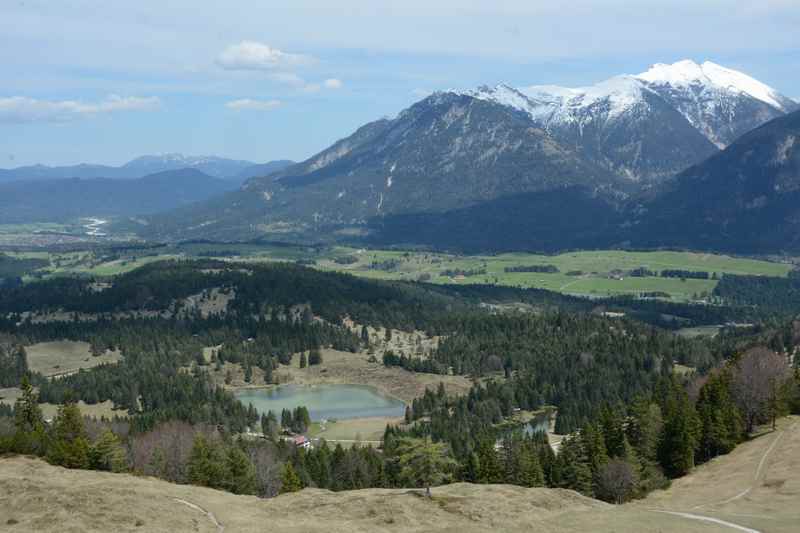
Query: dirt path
[
  {"x": 751, "y": 489},
  {"x": 691, "y": 516},
  {"x": 756, "y": 477},
  {"x": 209, "y": 514}
]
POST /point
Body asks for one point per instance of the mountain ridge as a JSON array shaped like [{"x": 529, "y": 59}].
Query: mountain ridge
[
  {"x": 218, "y": 167},
  {"x": 64, "y": 199}
]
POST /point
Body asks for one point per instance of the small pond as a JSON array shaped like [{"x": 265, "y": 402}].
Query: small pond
[{"x": 324, "y": 402}]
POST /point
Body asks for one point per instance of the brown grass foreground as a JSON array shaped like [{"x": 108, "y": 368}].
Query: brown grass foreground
[
  {"x": 38, "y": 497},
  {"x": 755, "y": 488}
]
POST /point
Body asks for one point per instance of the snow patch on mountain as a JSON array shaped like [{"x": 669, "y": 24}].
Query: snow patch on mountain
[
  {"x": 686, "y": 73},
  {"x": 708, "y": 96}
]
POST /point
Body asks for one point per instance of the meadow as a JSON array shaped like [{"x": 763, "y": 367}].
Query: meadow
[{"x": 597, "y": 273}]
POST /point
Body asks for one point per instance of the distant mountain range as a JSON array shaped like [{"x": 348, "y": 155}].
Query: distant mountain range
[
  {"x": 217, "y": 167},
  {"x": 539, "y": 167},
  {"x": 56, "y": 200}
]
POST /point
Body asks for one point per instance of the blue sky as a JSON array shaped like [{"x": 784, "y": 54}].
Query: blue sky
[{"x": 105, "y": 81}]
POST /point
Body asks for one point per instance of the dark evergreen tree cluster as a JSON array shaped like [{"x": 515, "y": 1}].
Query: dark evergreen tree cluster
[
  {"x": 544, "y": 269},
  {"x": 771, "y": 296},
  {"x": 577, "y": 362},
  {"x": 685, "y": 274},
  {"x": 13, "y": 361}
]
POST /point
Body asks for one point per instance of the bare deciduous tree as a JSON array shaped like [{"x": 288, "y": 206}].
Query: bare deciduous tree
[
  {"x": 617, "y": 481},
  {"x": 758, "y": 379},
  {"x": 164, "y": 451}
]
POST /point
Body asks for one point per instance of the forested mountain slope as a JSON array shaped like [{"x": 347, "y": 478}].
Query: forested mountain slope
[{"x": 747, "y": 198}]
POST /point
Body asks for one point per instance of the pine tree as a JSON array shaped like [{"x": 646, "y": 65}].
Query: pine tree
[
  {"x": 69, "y": 446},
  {"x": 612, "y": 427},
  {"x": 290, "y": 482},
  {"x": 680, "y": 433},
  {"x": 268, "y": 371},
  {"x": 287, "y": 422},
  {"x": 29, "y": 435},
  {"x": 471, "y": 471},
  {"x": 644, "y": 428},
  {"x": 107, "y": 453},
  {"x": 241, "y": 472},
  {"x": 574, "y": 471},
  {"x": 491, "y": 470},
  {"x": 720, "y": 421},
  {"x": 206, "y": 466},
  {"x": 248, "y": 371},
  {"x": 424, "y": 462},
  {"x": 530, "y": 469},
  {"x": 594, "y": 445},
  {"x": 269, "y": 425}
]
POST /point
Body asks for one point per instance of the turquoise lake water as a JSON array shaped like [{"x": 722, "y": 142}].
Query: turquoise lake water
[{"x": 329, "y": 402}]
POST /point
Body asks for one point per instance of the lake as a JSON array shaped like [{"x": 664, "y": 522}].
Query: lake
[{"x": 324, "y": 402}]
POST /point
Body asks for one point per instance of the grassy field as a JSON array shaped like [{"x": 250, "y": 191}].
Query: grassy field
[
  {"x": 586, "y": 273},
  {"x": 9, "y": 395},
  {"x": 583, "y": 273},
  {"x": 366, "y": 430},
  {"x": 63, "y": 357},
  {"x": 756, "y": 486}
]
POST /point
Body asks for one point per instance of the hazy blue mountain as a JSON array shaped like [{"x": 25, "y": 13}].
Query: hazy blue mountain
[
  {"x": 64, "y": 199},
  {"x": 264, "y": 169},
  {"x": 218, "y": 167}
]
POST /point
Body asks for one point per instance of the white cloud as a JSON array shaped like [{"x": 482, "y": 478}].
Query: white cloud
[
  {"x": 23, "y": 109},
  {"x": 248, "y": 104},
  {"x": 252, "y": 55},
  {"x": 332, "y": 83},
  {"x": 421, "y": 93},
  {"x": 289, "y": 78}
]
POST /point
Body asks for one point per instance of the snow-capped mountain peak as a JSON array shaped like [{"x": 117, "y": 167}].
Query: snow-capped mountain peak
[
  {"x": 545, "y": 103},
  {"x": 685, "y": 73}
]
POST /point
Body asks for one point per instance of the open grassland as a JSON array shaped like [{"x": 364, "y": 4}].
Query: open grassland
[
  {"x": 597, "y": 273},
  {"x": 357, "y": 430},
  {"x": 756, "y": 486},
  {"x": 591, "y": 273},
  {"x": 85, "y": 501},
  {"x": 64, "y": 357},
  {"x": 103, "y": 409}
]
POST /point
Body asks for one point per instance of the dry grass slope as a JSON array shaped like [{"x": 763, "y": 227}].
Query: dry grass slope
[
  {"x": 36, "y": 497},
  {"x": 755, "y": 488}
]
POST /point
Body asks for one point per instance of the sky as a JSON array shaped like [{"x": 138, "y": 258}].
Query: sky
[{"x": 106, "y": 81}]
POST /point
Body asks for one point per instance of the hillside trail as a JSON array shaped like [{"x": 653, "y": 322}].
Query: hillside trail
[
  {"x": 209, "y": 514},
  {"x": 754, "y": 481},
  {"x": 758, "y": 475}
]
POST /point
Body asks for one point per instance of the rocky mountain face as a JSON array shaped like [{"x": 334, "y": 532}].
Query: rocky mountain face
[
  {"x": 538, "y": 167},
  {"x": 447, "y": 152},
  {"x": 746, "y": 198},
  {"x": 652, "y": 125}
]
